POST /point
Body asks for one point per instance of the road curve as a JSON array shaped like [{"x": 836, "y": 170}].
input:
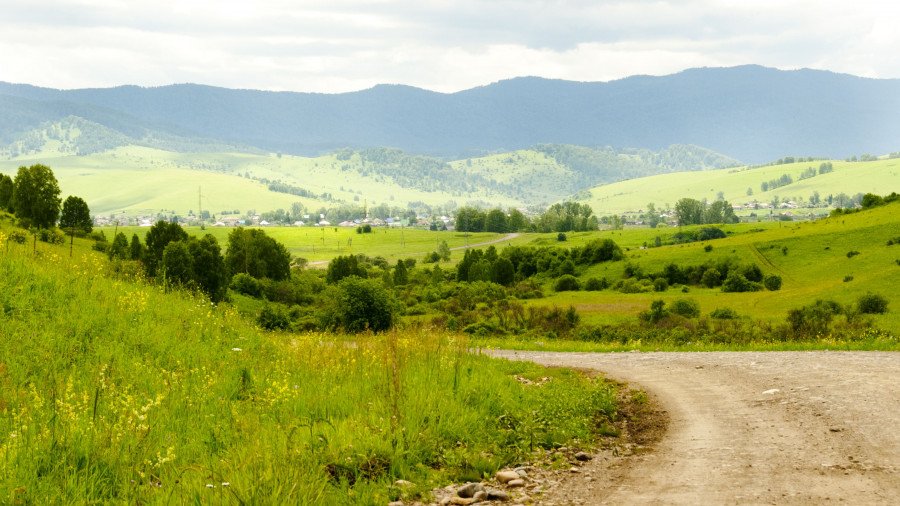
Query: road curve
[
  {"x": 507, "y": 237},
  {"x": 752, "y": 428}
]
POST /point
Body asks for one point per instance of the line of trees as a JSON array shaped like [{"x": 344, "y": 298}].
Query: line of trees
[
  {"x": 562, "y": 217},
  {"x": 696, "y": 212}
]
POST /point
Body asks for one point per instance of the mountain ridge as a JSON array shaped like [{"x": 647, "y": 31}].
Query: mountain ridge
[{"x": 751, "y": 113}]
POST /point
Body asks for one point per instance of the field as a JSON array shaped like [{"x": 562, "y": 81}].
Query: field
[
  {"x": 879, "y": 177},
  {"x": 115, "y": 390}
]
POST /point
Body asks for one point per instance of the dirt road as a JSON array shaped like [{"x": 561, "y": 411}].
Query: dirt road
[
  {"x": 751, "y": 428},
  {"x": 507, "y": 237}
]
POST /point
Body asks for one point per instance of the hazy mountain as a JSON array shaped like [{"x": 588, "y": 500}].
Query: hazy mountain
[{"x": 751, "y": 113}]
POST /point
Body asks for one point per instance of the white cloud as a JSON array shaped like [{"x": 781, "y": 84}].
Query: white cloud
[{"x": 444, "y": 45}]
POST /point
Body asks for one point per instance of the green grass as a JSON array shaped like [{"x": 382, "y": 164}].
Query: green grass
[
  {"x": 814, "y": 267},
  {"x": 879, "y": 177},
  {"x": 114, "y": 391}
]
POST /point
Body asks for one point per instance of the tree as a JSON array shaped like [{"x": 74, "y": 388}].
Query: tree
[
  {"x": 35, "y": 196},
  {"x": 119, "y": 248},
  {"x": 652, "y": 216},
  {"x": 341, "y": 267},
  {"x": 252, "y": 252},
  {"x": 503, "y": 273},
  {"x": 158, "y": 237},
  {"x": 210, "y": 274},
  {"x": 469, "y": 219},
  {"x": 517, "y": 221},
  {"x": 495, "y": 221},
  {"x": 689, "y": 212},
  {"x": 401, "y": 277},
  {"x": 6, "y": 192},
  {"x": 177, "y": 265},
  {"x": 444, "y": 251},
  {"x": 136, "y": 249},
  {"x": 75, "y": 217},
  {"x": 362, "y": 304}
]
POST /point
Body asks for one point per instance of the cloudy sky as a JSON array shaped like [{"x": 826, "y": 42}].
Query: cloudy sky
[{"x": 443, "y": 45}]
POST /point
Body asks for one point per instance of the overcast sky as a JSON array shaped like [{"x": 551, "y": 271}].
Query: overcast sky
[{"x": 442, "y": 45}]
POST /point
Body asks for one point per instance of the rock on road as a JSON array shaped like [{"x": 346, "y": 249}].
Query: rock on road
[{"x": 818, "y": 427}]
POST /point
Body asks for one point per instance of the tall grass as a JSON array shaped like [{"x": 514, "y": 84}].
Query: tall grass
[{"x": 115, "y": 391}]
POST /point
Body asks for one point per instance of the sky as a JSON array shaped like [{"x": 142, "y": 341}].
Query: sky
[{"x": 336, "y": 46}]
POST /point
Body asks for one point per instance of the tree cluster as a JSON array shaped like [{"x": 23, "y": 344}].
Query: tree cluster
[{"x": 694, "y": 212}]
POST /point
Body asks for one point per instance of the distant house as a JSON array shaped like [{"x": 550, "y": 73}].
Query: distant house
[
  {"x": 263, "y": 223},
  {"x": 324, "y": 223},
  {"x": 346, "y": 224},
  {"x": 298, "y": 223},
  {"x": 219, "y": 224}
]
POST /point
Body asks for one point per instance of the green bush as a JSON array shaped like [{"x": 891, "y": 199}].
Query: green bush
[
  {"x": 567, "y": 283},
  {"x": 363, "y": 304},
  {"x": 724, "y": 313},
  {"x": 51, "y": 236},
  {"x": 561, "y": 237},
  {"x": 872, "y": 303},
  {"x": 687, "y": 308},
  {"x": 660, "y": 285},
  {"x": 246, "y": 284},
  {"x": 596, "y": 284},
  {"x": 772, "y": 282},
  {"x": 814, "y": 319},
  {"x": 736, "y": 282},
  {"x": 274, "y": 317}
]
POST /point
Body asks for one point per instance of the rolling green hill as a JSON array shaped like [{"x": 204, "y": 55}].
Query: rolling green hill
[{"x": 879, "y": 177}]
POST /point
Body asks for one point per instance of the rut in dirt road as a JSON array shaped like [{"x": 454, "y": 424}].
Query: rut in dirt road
[{"x": 752, "y": 428}]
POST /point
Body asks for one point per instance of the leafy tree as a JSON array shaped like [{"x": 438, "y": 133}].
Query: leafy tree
[
  {"x": 687, "y": 308},
  {"x": 341, "y": 267},
  {"x": 495, "y": 221},
  {"x": 652, "y": 216},
  {"x": 470, "y": 219},
  {"x": 363, "y": 304},
  {"x": 772, "y": 282},
  {"x": 517, "y": 221},
  {"x": 689, "y": 212},
  {"x": 401, "y": 276},
  {"x": 76, "y": 215},
  {"x": 35, "y": 196},
  {"x": 253, "y": 252},
  {"x": 444, "y": 251},
  {"x": 210, "y": 274},
  {"x": 158, "y": 237},
  {"x": 480, "y": 271},
  {"x": 503, "y": 273},
  {"x": 6, "y": 192},
  {"x": 177, "y": 265}
]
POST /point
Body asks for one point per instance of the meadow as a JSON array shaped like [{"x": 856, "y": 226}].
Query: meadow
[
  {"x": 665, "y": 190},
  {"x": 115, "y": 390}
]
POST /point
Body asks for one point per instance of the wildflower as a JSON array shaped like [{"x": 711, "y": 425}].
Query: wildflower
[
  {"x": 210, "y": 485},
  {"x": 226, "y": 484},
  {"x": 236, "y": 349}
]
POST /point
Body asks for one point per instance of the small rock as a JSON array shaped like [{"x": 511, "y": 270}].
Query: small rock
[
  {"x": 506, "y": 476},
  {"x": 771, "y": 392},
  {"x": 522, "y": 473},
  {"x": 574, "y": 469},
  {"x": 463, "y": 501},
  {"x": 404, "y": 484},
  {"x": 480, "y": 496},
  {"x": 582, "y": 456},
  {"x": 445, "y": 501},
  {"x": 469, "y": 489},
  {"x": 395, "y": 503},
  {"x": 496, "y": 495},
  {"x": 562, "y": 449},
  {"x": 519, "y": 482}
]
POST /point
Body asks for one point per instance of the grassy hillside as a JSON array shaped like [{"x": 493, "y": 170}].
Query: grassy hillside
[
  {"x": 810, "y": 257},
  {"x": 879, "y": 177},
  {"x": 116, "y": 391}
]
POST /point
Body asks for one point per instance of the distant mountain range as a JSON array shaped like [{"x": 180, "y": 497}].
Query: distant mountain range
[{"x": 750, "y": 113}]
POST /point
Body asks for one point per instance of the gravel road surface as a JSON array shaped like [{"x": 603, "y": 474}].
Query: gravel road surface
[{"x": 750, "y": 428}]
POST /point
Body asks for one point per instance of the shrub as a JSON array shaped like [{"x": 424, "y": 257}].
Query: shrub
[
  {"x": 814, "y": 319},
  {"x": 561, "y": 237},
  {"x": 246, "y": 284},
  {"x": 656, "y": 312},
  {"x": 687, "y": 308},
  {"x": 711, "y": 278},
  {"x": 772, "y": 282},
  {"x": 51, "y": 235},
  {"x": 660, "y": 285},
  {"x": 872, "y": 303},
  {"x": 18, "y": 237},
  {"x": 596, "y": 284},
  {"x": 724, "y": 313},
  {"x": 707, "y": 248},
  {"x": 852, "y": 253},
  {"x": 567, "y": 283},
  {"x": 273, "y": 317},
  {"x": 707, "y": 233},
  {"x": 363, "y": 304},
  {"x": 736, "y": 282},
  {"x": 848, "y": 278}
]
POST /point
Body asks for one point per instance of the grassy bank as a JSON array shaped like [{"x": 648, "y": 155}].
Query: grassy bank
[{"x": 116, "y": 391}]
